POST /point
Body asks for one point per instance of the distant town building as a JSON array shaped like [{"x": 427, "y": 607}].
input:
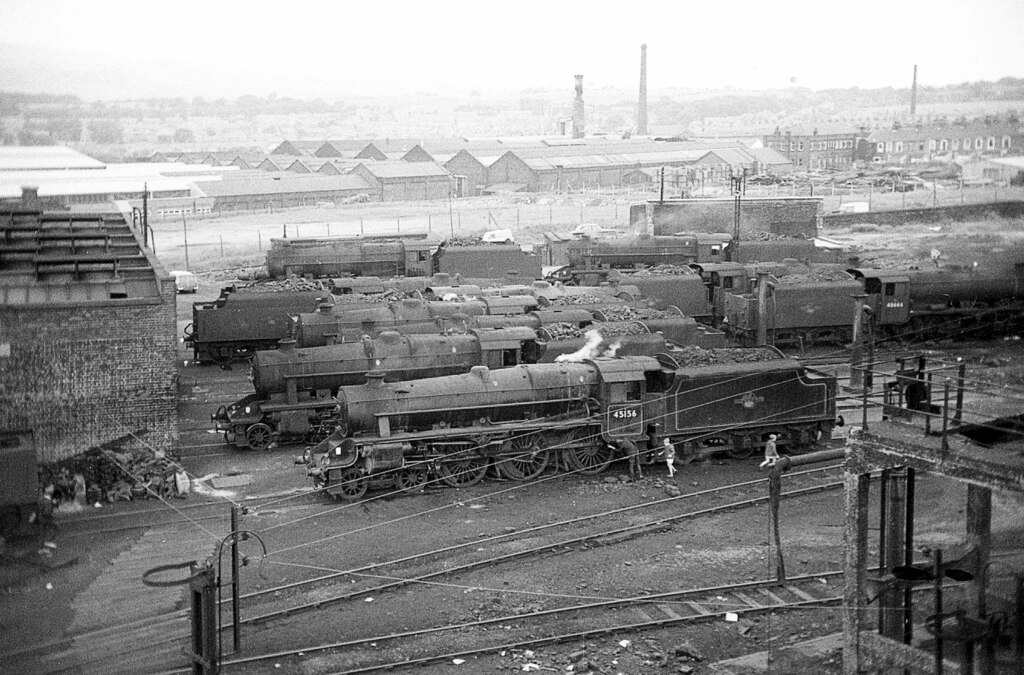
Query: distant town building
[{"x": 819, "y": 147}]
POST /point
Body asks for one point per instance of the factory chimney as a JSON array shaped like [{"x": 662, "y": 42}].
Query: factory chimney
[
  {"x": 577, "y": 110},
  {"x": 641, "y": 111},
  {"x": 913, "y": 94}
]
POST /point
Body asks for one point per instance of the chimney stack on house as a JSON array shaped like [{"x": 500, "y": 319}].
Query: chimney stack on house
[
  {"x": 578, "y": 119},
  {"x": 641, "y": 112}
]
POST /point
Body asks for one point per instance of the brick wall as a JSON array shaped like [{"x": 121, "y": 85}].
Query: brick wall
[{"x": 87, "y": 375}]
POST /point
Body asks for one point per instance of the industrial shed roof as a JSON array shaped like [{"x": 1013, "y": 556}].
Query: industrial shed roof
[
  {"x": 281, "y": 184},
  {"x": 46, "y": 157},
  {"x": 732, "y": 156},
  {"x": 62, "y": 258},
  {"x": 769, "y": 157},
  {"x": 404, "y": 169}
]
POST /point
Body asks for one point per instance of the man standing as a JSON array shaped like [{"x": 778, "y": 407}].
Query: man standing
[
  {"x": 633, "y": 453},
  {"x": 771, "y": 454},
  {"x": 670, "y": 457}
]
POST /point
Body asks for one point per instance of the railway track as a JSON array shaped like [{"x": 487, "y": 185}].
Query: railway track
[
  {"x": 597, "y": 537},
  {"x": 570, "y": 623},
  {"x": 138, "y": 647}
]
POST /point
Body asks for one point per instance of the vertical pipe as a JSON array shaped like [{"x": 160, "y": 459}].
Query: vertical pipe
[
  {"x": 908, "y": 559},
  {"x": 928, "y": 407},
  {"x": 184, "y": 233},
  {"x": 762, "y": 308},
  {"x": 1018, "y": 630},
  {"x": 945, "y": 416},
  {"x": 937, "y": 571},
  {"x": 883, "y": 518},
  {"x": 236, "y": 620},
  {"x": 960, "y": 378},
  {"x": 857, "y": 379}
]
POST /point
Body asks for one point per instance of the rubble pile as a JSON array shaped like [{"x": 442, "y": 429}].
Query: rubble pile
[
  {"x": 690, "y": 357},
  {"x": 112, "y": 476}
]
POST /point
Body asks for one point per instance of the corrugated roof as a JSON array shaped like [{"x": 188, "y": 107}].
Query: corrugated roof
[
  {"x": 288, "y": 183},
  {"x": 44, "y": 157},
  {"x": 769, "y": 156},
  {"x": 732, "y": 156},
  {"x": 404, "y": 169}
]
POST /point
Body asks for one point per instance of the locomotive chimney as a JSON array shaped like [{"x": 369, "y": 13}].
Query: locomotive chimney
[
  {"x": 578, "y": 121},
  {"x": 286, "y": 345},
  {"x": 913, "y": 94},
  {"x": 375, "y": 378},
  {"x": 641, "y": 111}
]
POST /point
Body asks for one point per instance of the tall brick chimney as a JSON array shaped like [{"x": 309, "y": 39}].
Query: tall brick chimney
[
  {"x": 913, "y": 93},
  {"x": 641, "y": 110},
  {"x": 578, "y": 118}
]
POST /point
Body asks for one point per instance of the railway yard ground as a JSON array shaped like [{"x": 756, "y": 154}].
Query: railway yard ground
[{"x": 491, "y": 562}]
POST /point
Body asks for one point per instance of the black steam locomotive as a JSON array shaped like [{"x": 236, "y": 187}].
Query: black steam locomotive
[{"x": 523, "y": 419}]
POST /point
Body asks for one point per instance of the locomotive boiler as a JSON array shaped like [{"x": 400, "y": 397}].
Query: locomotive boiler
[{"x": 293, "y": 388}]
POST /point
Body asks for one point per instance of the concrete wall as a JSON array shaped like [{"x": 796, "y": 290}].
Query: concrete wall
[
  {"x": 965, "y": 212},
  {"x": 785, "y": 217},
  {"x": 87, "y": 375}
]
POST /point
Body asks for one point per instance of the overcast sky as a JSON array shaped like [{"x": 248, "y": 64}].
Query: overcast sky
[{"x": 118, "y": 49}]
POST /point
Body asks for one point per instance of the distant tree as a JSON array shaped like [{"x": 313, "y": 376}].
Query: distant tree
[
  {"x": 65, "y": 129},
  {"x": 184, "y": 136},
  {"x": 106, "y": 132},
  {"x": 28, "y": 137}
]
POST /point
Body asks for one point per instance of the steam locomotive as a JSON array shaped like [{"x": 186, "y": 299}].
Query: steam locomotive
[
  {"x": 293, "y": 386},
  {"x": 906, "y": 304},
  {"x": 524, "y": 419},
  {"x": 325, "y": 257}
]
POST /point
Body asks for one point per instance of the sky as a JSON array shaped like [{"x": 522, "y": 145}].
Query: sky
[{"x": 113, "y": 49}]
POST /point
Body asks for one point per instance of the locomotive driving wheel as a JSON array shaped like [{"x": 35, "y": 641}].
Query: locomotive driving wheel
[
  {"x": 526, "y": 457},
  {"x": 463, "y": 472},
  {"x": 351, "y": 484},
  {"x": 411, "y": 479},
  {"x": 588, "y": 454},
  {"x": 259, "y": 436}
]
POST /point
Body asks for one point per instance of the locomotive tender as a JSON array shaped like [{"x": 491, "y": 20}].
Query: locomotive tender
[{"x": 526, "y": 418}]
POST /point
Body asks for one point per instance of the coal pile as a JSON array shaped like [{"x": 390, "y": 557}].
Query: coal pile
[
  {"x": 284, "y": 285},
  {"x": 631, "y": 313},
  {"x": 694, "y": 357}
]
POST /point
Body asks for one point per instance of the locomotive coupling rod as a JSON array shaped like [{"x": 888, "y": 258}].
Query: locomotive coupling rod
[{"x": 785, "y": 463}]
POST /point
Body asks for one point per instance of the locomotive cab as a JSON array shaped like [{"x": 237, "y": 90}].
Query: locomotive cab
[
  {"x": 631, "y": 395},
  {"x": 888, "y": 296}
]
